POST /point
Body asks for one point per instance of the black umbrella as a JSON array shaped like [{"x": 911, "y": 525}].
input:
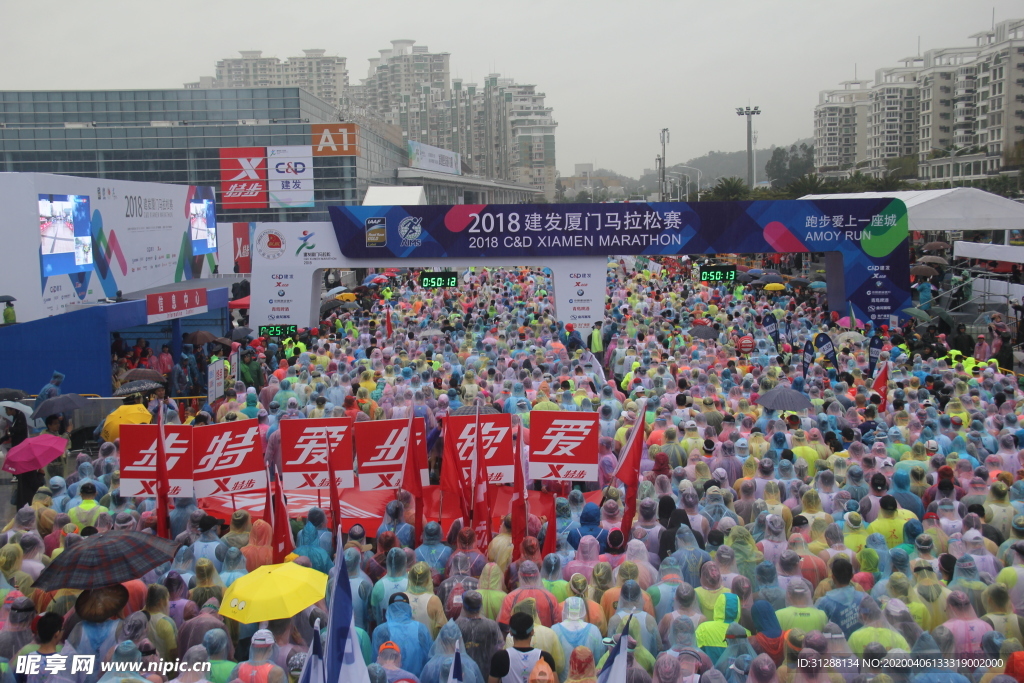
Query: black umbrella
[
  {"x": 704, "y": 332},
  {"x": 241, "y": 334},
  {"x": 799, "y": 281},
  {"x": 329, "y": 306},
  {"x": 137, "y": 387},
  {"x": 769, "y": 278},
  {"x": 744, "y": 277},
  {"x": 350, "y": 305},
  {"x": 6, "y": 297},
  {"x": 784, "y": 398},
  {"x": 470, "y": 410},
  {"x": 12, "y": 394},
  {"x": 65, "y": 403}
]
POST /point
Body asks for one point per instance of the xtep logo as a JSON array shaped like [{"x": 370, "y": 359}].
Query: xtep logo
[
  {"x": 491, "y": 435},
  {"x": 225, "y": 455},
  {"x": 304, "y": 242},
  {"x": 175, "y": 445},
  {"x": 250, "y": 168}
]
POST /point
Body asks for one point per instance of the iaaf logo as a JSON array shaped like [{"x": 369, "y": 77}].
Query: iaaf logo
[
  {"x": 490, "y": 436},
  {"x": 563, "y": 437},
  {"x": 225, "y": 454},
  {"x": 175, "y": 445},
  {"x": 314, "y": 444}
]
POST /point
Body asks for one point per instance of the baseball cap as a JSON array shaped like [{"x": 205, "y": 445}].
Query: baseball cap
[
  {"x": 888, "y": 503},
  {"x": 262, "y": 637},
  {"x": 709, "y": 446},
  {"x": 931, "y": 446},
  {"x": 399, "y": 597},
  {"x": 691, "y": 424},
  {"x": 878, "y": 482},
  {"x": 208, "y": 522}
]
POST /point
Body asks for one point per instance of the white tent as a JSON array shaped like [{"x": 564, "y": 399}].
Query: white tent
[{"x": 960, "y": 208}]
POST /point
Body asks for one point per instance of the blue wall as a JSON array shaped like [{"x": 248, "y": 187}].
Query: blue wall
[{"x": 78, "y": 344}]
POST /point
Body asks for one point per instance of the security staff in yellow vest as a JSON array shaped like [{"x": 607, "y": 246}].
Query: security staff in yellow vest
[{"x": 85, "y": 513}]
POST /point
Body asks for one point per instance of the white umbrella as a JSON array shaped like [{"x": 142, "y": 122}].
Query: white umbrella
[{"x": 34, "y": 424}]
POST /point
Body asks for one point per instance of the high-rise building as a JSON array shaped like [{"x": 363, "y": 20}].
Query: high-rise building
[
  {"x": 840, "y": 128},
  {"x": 959, "y": 110},
  {"x": 316, "y": 72}
]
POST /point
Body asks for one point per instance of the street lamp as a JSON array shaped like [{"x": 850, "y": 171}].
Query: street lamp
[
  {"x": 681, "y": 176},
  {"x": 748, "y": 112},
  {"x": 699, "y": 174},
  {"x": 664, "y": 141}
]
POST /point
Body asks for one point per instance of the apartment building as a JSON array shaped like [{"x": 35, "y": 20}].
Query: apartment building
[
  {"x": 840, "y": 128},
  {"x": 322, "y": 75},
  {"x": 959, "y": 110}
]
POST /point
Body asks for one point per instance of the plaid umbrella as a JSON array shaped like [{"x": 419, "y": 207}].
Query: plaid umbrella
[{"x": 105, "y": 559}]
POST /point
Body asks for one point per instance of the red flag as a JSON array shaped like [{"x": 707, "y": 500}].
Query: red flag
[
  {"x": 453, "y": 482},
  {"x": 268, "y": 505},
  {"x": 387, "y": 321},
  {"x": 411, "y": 478},
  {"x": 282, "y": 539},
  {"x": 482, "y": 515},
  {"x": 163, "y": 503},
  {"x": 881, "y": 384},
  {"x": 628, "y": 472},
  {"x": 551, "y": 536},
  {"x": 520, "y": 506}
]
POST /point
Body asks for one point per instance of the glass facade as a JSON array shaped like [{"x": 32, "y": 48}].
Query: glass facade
[{"x": 174, "y": 136}]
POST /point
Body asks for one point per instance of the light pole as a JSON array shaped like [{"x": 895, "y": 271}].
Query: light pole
[
  {"x": 659, "y": 168},
  {"x": 748, "y": 112},
  {"x": 699, "y": 174},
  {"x": 680, "y": 176},
  {"x": 664, "y": 141}
]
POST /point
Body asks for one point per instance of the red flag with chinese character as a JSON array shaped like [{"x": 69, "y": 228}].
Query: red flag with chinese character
[
  {"x": 387, "y": 321},
  {"x": 881, "y": 384},
  {"x": 282, "y": 538},
  {"x": 268, "y": 506},
  {"x": 163, "y": 503},
  {"x": 453, "y": 482},
  {"x": 520, "y": 506},
  {"x": 628, "y": 472},
  {"x": 411, "y": 475}
]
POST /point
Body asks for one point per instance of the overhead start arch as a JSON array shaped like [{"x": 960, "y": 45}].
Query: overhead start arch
[{"x": 865, "y": 242}]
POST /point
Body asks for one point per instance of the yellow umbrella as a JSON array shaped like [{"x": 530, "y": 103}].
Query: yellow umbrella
[
  {"x": 346, "y": 296},
  {"x": 125, "y": 415},
  {"x": 273, "y": 591},
  {"x": 775, "y": 286}
]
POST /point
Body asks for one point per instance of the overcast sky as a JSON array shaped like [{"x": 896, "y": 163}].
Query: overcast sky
[{"x": 615, "y": 72}]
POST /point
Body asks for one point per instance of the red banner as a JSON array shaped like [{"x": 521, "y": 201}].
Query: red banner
[
  {"x": 241, "y": 248},
  {"x": 380, "y": 447},
  {"x": 228, "y": 459},
  {"x": 243, "y": 177},
  {"x": 563, "y": 445},
  {"x": 170, "y": 305},
  {"x": 138, "y": 460},
  {"x": 310, "y": 447},
  {"x": 495, "y": 444}
]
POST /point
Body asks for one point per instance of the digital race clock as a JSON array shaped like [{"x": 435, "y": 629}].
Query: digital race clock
[
  {"x": 430, "y": 280},
  {"x": 278, "y": 330},
  {"x": 718, "y": 273}
]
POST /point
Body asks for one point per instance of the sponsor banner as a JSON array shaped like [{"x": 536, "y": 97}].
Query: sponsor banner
[
  {"x": 495, "y": 444},
  {"x": 290, "y": 176},
  {"x": 381, "y": 447},
  {"x": 871, "y": 235},
  {"x": 216, "y": 380},
  {"x": 138, "y": 460},
  {"x": 243, "y": 177},
  {"x": 228, "y": 458},
  {"x": 431, "y": 158},
  {"x": 563, "y": 445},
  {"x": 170, "y": 305},
  {"x": 241, "y": 247},
  {"x": 334, "y": 139},
  {"x": 312, "y": 448}
]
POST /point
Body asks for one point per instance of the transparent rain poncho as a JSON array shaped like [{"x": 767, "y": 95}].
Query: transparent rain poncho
[
  {"x": 964, "y": 624},
  {"x": 689, "y": 555},
  {"x": 395, "y": 581},
  {"x": 411, "y": 636},
  {"x": 631, "y": 602},
  {"x": 575, "y": 631},
  {"x": 442, "y": 654},
  {"x": 966, "y": 578},
  {"x": 738, "y": 646},
  {"x": 233, "y": 567}
]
